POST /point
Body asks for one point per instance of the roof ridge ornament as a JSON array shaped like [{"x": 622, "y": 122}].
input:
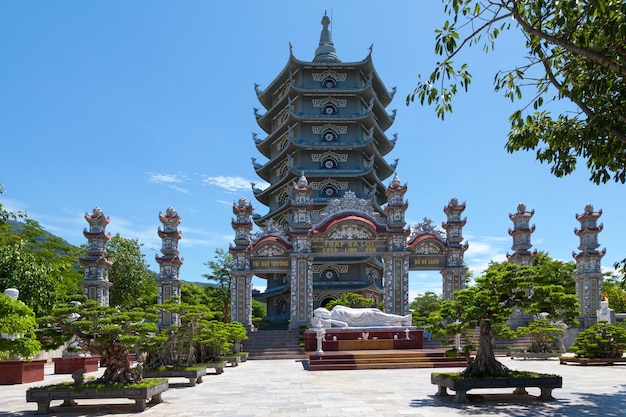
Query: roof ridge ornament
[{"x": 326, "y": 51}]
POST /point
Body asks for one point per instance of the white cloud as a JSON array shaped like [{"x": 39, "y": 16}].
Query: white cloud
[
  {"x": 179, "y": 189},
  {"x": 166, "y": 178},
  {"x": 229, "y": 183}
]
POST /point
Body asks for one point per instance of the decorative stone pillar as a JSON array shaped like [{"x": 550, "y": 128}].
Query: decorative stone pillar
[
  {"x": 454, "y": 274},
  {"x": 241, "y": 298},
  {"x": 396, "y": 272},
  {"x": 301, "y": 290},
  {"x": 168, "y": 280},
  {"x": 240, "y": 275},
  {"x": 396, "y": 284},
  {"x": 588, "y": 268},
  {"x": 96, "y": 282}
]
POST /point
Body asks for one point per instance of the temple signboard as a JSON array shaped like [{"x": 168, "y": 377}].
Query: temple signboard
[
  {"x": 427, "y": 261},
  {"x": 349, "y": 246},
  {"x": 271, "y": 263}
]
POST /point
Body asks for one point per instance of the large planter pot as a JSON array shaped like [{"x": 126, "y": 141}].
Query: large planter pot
[
  {"x": 15, "y": 371},
  {"x": 43, "y": 396},
  {"x": 218, "y": 366},
  {"x": 546, "y": 383},
  {"x": 68, "y": 365}
]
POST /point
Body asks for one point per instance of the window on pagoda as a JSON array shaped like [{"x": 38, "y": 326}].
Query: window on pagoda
[
  {"x": 329, "y": 83},
  {"x": 329, "y": 136},
  {"x": 329, "y": 191},
  {"x": 329, "y": 163},
  {"x": 329, "y": 109},
  {"x": 329, "y": 275}
]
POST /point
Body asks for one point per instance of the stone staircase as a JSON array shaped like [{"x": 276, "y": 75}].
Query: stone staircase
[
  {"x": 273, "y": 344},
  {"x": 383, "y": 359}
]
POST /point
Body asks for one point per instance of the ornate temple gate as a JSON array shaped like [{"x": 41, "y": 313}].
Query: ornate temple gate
[{"x": 348, "y": 231}]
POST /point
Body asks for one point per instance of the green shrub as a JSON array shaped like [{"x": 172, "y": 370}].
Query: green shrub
[{"x": 601, "y": 340}]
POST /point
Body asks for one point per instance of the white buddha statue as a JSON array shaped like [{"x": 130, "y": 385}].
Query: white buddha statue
[{"x": 341, "y": 316}]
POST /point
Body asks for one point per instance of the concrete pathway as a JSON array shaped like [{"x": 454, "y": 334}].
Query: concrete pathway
[{"x": 283, "y": 388}]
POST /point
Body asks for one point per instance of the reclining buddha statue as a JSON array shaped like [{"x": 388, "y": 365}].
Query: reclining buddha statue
[{"x": 341, "y": 316}]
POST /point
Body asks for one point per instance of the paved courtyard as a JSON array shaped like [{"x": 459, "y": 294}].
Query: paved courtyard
[{"x": 284, "y": 388}]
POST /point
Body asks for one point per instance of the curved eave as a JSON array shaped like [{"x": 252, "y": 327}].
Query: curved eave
[
  {"x": 169, "y": 219},
  {"x": 528, "y": 214},
  {"x": 600, "y": 253},
  {"x": 94, "y": 235},
  {"x": 260, "y": 220},
  {"x": 273, "y": 292},
  {"x": 459, "y": 207},
  {"x": 97, "y": 219},
  {"x": 266, "y": 120},
  {"x": 513, "y": 232},
  {"x": 597, "y": 229},
  {"x": 264, "y": 195},
  {"x": 175, "y": 233},
  {"x": 173, "y": 260},
  {"x": 421, "y": 238},
  {"x": 327, "y": 224},
  {"x": 344, "y": 286},
  {"x": 99, "y": 260},
  {"x": 271, "y": 240},
  {"x": 595, "y": 214},
  {"x": 366, "y": 66},
  {"x": 445, "y": 225},
  {"x": 521, "y": 255}
]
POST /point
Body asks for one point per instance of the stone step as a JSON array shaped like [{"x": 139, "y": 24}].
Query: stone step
[
  {"x": 273, "y": 344},
  {"x": 388, "y": 359}
]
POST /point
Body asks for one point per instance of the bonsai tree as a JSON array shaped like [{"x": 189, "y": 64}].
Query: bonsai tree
[
  {"x": 17, "y": 325},
  {"x": 236, "y": 334},
  {"x": 176, "y": 345},
  {"x": 490, "y": 302},
  {"x": 544, "y": 334},
  {"x": 109, "y": 332},
  {"x": 602, "y": 340},
  {"x": 213, "y": 341}
]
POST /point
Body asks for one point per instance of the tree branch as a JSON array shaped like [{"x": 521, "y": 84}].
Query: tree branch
[{"x": 599, "y": 59}]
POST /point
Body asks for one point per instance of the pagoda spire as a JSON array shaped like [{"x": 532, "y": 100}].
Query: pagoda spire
[
  {"x": 168, "y": 280},
  {"x": 96, "y": 282},
  {"x": 326, "y": 51}
]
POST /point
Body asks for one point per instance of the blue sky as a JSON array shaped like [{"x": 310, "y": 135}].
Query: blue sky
[{"x": 137, "y": 106}]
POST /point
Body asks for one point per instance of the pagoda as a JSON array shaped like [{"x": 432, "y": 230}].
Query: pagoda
[
  {"x": 331, "y": 225},
  {"x": 588, "y": 265},
  {"x": 168, "y": 279},
  {"x": 96, "y": 282},
  {"x": 521, "y": 236}
]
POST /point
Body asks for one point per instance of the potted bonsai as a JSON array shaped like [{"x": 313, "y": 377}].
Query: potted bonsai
[
  {"x": 172, "y": 352},
  {"x": 545, "y": 338},
  {"x": 601, "y": 344},
  {"x": 108, "y": 332},
  {"x": 489, "y": 303},
  {"x": 18, "y": 341}
]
